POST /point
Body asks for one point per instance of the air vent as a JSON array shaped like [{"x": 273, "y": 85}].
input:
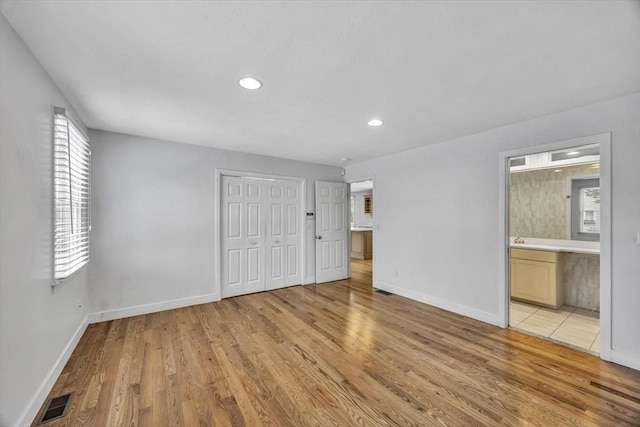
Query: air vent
[
  {"x": 56, "y": 408},
  {"x": 380, "y": 291}
]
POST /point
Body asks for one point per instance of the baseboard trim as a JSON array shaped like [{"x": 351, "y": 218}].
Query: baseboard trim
[
  {"x": 626, "y": 359},
  {"x": 464, "y": 310},
  {"x": 309, "y": 280},
  {"x": 34, "y": 405},
  {"x": 121, "y": 313}
]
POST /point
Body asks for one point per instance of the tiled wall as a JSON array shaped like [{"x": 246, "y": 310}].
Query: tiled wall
[
  {"x": 538, "y": 201},
  {"x": 582, "y": 281}
]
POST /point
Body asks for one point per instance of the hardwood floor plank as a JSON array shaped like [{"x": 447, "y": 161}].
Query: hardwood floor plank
[{"x": 337, "y": 354}]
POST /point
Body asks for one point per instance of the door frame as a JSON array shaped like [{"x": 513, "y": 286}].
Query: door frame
[
  {"x": 604, "y": 140},
  {"x": 373, "y": 218},
  {"x": 217, "y": 254}
]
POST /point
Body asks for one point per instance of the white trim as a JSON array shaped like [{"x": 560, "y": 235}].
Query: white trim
[
  {"x": 604, "y": 140},
  {"x": 136, "y": 310},
  {"x": 463, "y": 310},
  {"x": 625, "y": 359},
  {"x": 34, "y": 405},
  {"x": 217, "y": 197},
  {"x": 310, "y": 280}
]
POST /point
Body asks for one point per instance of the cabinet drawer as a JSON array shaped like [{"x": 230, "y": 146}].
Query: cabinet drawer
[{"x": 533, "y": 255}]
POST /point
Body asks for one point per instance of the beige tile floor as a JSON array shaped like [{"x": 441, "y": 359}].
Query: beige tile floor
[{"x": 573, "y": 326}]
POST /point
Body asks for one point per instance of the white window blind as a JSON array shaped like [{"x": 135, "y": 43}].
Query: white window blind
[{"x": 71, "y": 180}]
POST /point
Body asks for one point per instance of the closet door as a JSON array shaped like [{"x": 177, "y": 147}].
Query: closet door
[
  {"x": 242, "y": 236},
  {"x": 293, "y": 234},
  {"x": 275, "y": 234}
]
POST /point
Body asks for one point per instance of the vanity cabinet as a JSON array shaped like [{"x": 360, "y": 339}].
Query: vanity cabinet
[
  {"x": 537, "y": 277},
  {"x": 361, "y": 244}
]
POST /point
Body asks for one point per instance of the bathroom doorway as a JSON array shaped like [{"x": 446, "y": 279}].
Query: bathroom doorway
[
  {"x": 361, "y": 218},
  {"x": 556, "y": 216}
]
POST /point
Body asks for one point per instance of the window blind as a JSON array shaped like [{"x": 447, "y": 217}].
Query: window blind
[{"x": 71, "y": 180}]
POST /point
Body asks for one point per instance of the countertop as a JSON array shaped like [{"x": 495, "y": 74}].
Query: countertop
[
  {"x": 556, "y": 245},
  {"x": 361, "y": 228}
]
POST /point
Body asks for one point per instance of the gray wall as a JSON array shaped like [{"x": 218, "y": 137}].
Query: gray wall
[
  {"x": 35, "y": 324},
  {"x": 153, "y": 207},
  {"x": 445, "y": 249}
]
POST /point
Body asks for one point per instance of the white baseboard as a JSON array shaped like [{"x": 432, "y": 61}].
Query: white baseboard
[
  {"x": 43, "y": 391},
  {"x": 136, "y": 310},
  {"x": 309, "y": 280},
  {"x": 464, "y": 310},
  {"x": 626, "y": 359}
]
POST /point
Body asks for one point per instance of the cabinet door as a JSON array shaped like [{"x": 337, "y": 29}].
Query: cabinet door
[{"x": 533, "y": 281}]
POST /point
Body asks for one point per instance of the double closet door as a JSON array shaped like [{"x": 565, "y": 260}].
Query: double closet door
[{"x": 261, "y": 234}]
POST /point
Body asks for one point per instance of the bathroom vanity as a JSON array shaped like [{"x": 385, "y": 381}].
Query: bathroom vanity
[
  {"x": 537, "y": 276},
  {"x": 537, "y": 268}
]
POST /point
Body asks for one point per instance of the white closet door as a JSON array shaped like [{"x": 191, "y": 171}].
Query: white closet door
[
  {"x": 332, "y": 232},
  {"x": 275, "y": 232},
  {"x": 243, "y": 240},
  {"x": 293, "y": 234},
  {"x": 261, "y": 236}
]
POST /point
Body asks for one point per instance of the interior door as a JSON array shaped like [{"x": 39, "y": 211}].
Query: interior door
[
  {"x": 275, "y": 234},
  {"x": 332, "y": 231},
  {"x": 283, "y": 234},
  {"x": 293, "y": 234},
  {"x": 243, "y": 240}
]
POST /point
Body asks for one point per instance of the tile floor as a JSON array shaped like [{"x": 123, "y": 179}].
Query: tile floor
[{"x": 574, "y": 326}]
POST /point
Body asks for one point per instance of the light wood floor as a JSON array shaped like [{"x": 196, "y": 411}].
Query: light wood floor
[{"x": 337, "y": 354}]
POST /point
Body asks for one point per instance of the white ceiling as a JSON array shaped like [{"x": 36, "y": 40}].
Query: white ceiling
[{"x": 432, "y": 70}]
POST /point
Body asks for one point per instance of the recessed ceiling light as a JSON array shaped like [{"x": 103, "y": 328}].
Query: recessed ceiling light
[
  {"x": 573, "y": 153},
  {"x": 375, "y": 122},
  {"x": 558, "y": 170},
  {"x": 345, "y": 159},
  {"x": 250, "y": 83}
]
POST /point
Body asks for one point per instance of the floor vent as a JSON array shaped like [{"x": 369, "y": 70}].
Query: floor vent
[
  {"x": 56, "y": 408},
  {"x": 380, "y": 291}
]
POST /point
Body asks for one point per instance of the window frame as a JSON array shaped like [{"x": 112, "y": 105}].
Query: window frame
[
  {"x": 71, "y": 198},
  {"x": 577, "y": 184}
]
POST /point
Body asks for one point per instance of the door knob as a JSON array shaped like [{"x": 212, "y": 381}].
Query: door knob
[
  {"x": 319, "y": 237},
  {"x": 277, "y": 241},
  {"x": 253, "y": 242}
]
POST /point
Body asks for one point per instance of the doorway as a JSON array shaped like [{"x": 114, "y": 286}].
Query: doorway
[
  {"x": 361, "y": 219},
  {"x": 557, "y": 231}
]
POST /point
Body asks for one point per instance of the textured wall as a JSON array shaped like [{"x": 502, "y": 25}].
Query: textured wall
[
  {"x": 582, "y": 281},
  {"x": 538, "y": 202}
]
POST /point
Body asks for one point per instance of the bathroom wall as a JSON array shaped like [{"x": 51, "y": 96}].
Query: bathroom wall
[
  {"x": 538, "y": 201},
  {"x": 582, "y": 281},
  {"x": 359, "y": 217}
]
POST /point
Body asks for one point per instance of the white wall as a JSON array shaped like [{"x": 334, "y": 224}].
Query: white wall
[
  {"x": 36, "y": 325},
  {"x": 153, "y": 207},
  {"x": 359, "y": 217},
  {"x": 444, "y": 245}
]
